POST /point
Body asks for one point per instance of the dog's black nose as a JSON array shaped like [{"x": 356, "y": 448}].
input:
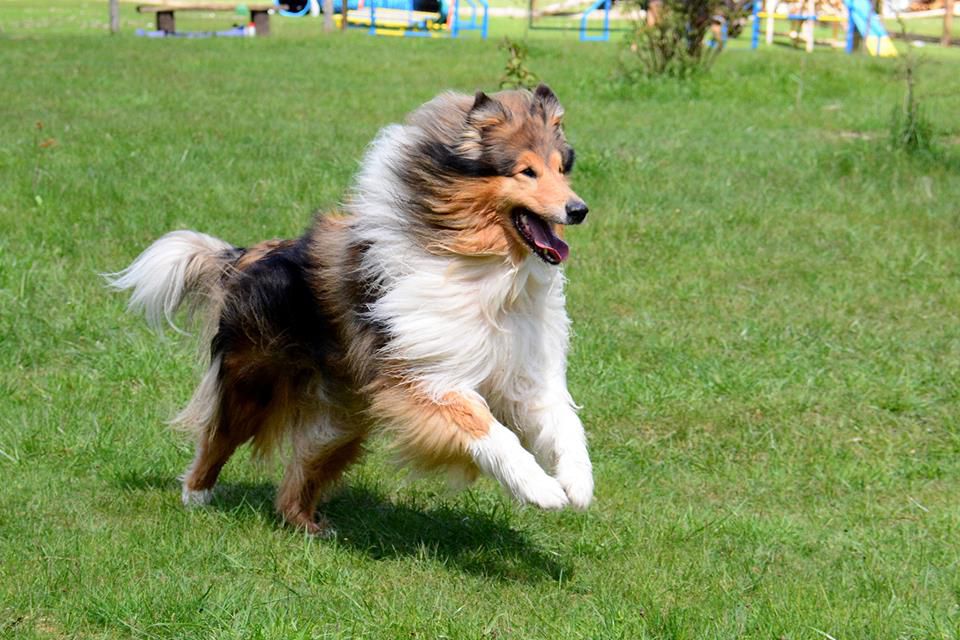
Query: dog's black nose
[{"x": 576, "y": 211}]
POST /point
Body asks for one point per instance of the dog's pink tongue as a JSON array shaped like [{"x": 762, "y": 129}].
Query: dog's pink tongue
[{"x": 545, "y": 239}]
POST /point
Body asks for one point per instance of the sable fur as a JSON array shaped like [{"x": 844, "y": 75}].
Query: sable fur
[{"x": 431, "y": 309}]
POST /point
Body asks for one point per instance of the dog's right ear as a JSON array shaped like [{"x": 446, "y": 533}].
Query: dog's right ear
[{"x": 486, "y": 112}]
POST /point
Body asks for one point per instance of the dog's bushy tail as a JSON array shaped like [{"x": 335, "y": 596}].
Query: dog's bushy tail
[{"x": 181, "y": 266}]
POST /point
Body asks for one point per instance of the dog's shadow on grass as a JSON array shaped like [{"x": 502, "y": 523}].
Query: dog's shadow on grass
[
  {"x": 473, "y": 539},
  {"x": 476, "y": 540}
]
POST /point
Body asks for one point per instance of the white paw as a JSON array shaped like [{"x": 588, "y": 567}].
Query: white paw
[
  {"x": 543, "y": 492},
  {"x": 577, "y": 483},
  {"x": 325, "y": 533},
  {"x": 193, "y": 498},
  {"x": 500, "y": 455}
]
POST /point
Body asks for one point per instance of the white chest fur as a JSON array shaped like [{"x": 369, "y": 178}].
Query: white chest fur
[{"x": 476, "y": 325}]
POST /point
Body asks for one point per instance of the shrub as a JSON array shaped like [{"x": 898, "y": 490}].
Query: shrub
[{"x": 673, "y": 42}]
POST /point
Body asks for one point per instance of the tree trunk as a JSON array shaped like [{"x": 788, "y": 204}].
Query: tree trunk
[
  {"x": 328, "y": 15},
  {"x": 947, "y": 23},
  {"x": 343, "y": 16},
  {"x": 114, "y": 16}
]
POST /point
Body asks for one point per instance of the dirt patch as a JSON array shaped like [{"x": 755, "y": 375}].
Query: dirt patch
[{"x": 857, "y": 135}]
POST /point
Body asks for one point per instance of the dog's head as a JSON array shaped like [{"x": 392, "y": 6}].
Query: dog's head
[{"x": 500, "y": 168}]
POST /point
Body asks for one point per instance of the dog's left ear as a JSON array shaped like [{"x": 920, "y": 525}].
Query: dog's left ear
[{"x": 546, "y": 100}]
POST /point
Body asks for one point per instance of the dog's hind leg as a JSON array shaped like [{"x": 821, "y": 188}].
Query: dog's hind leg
[
  {"x": 232, "y": 405},
  {"x": 201, "y": 418},
  {"x": 321, "y": 454},
  {"x": 212, "y": 453}
]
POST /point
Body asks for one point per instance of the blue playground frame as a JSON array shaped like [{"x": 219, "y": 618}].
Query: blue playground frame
[
  {"x": 456, "y": 27},
  {"x": 605, "y": 32},
  {"x": 584, "y": 29}
]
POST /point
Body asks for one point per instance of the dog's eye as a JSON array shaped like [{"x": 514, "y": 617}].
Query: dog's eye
[{"x": 529, "y": 172}]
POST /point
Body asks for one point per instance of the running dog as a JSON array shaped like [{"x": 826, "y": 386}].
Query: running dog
[{"x": 431, "y": 308}]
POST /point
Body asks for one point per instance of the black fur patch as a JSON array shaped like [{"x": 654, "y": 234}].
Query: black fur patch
[
  {"x": 445, "y": 160},
  {"x": 270, "y": 309},
  {"x": 569, "y": 157},
  {"x": 362, "y": 294}
]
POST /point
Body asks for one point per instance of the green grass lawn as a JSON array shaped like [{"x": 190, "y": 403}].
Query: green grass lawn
[{"x": 767, "y": 348}]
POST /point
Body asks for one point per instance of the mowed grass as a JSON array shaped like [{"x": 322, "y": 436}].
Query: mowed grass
[{"x": 767, "y": 351}]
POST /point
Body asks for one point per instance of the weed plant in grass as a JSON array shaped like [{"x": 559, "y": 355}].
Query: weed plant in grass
[
  {"x": 910, "y": 130},
  {"x": 766, "y": 347},
  {"x": 516, "y": 75}
]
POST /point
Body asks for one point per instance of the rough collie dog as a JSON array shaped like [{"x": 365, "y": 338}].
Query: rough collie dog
[{"x": 432, "y": 309}]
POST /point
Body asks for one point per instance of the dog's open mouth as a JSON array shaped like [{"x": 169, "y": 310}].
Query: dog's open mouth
[{"x": 539, "y": 235}]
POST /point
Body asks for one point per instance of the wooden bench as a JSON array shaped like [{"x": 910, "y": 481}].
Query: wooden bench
[{"x": 259, "y": 13}]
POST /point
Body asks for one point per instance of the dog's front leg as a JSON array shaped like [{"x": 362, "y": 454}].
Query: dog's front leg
[
  {"x": 458, "y": 428},
  {"x": 500, "y": 454},
  {"x": 557, "y": 439}
]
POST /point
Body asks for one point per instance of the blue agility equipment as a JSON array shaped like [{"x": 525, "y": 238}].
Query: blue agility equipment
[
  {"x": 870, "y": 26},
  {"x": 456, "y": 26},
  {"x": 586, "y": 32},
  {"x": 605, "y": 31},
  {"x": 293, "y": 8}
]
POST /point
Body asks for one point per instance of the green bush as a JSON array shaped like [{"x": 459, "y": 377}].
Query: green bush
[{"x": 672, "y": 44}]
